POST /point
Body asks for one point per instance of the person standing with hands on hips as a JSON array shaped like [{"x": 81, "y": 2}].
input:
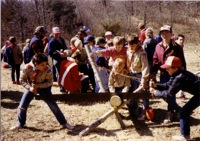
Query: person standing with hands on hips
[{"x": 180, "y": 79}]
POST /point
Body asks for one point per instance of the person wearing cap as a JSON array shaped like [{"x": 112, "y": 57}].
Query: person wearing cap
[
  {"x": 167, "y": 47},
  {"x": 36, "y": 44},
  {"x": 180, "y": 79},
  {"x": 108, "y": 35},
  {"x": 14, "y": 58},
  {"x": 56, "y": 49},
  {"x": 89, "y": 40},
  {"x": 101, "y": 61}
]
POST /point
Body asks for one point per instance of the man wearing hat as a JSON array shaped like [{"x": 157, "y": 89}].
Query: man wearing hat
[
  {"x": 180, "y": 79},
  {"x": 163, "y": 50},
  {"x": 36, "y": 44},
  {"x": 57, "y": 49}
]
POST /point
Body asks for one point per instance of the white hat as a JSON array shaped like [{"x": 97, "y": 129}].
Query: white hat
[
  {"x": 166, "y": 28},
  {"x": 108, "y": 33},
  {"x": 172, "y": 61},
  {"x": 56, "y": 30}
]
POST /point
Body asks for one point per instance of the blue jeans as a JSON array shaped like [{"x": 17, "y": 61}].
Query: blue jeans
[
  {"x": 133, "y": 105},
  {"x": 171, "y": 101},
  {"x": 45, "y": 94},
  {"x": 104, "y": 76},
  {"x": 185, "y": 112}
]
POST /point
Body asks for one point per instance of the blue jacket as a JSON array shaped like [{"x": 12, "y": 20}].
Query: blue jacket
[
  {"x": 9, "y": 56},
  {"x": 101, "y": 61},
  {"x": 181, "y": 80},
  {"x": 54, "y": 46},
  {"x": 36, "y": 45}
]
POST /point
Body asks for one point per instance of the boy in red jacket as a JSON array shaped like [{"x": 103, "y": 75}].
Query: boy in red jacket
[{"x": 70, "y": 78}]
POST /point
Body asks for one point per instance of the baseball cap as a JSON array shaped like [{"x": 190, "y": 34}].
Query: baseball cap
[
  {"x": 172, "y": 61},
  {"x": 108, "y": 33},
  {"x": 89, "y": 38},
  {"x": 56, "y": 30},
  {"x": 166, "y": 28}
]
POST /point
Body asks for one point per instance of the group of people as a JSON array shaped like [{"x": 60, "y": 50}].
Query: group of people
[{"x": 137, "y": 55}]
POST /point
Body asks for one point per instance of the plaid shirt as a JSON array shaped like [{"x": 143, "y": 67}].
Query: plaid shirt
[{"x": 32, "y": 75}]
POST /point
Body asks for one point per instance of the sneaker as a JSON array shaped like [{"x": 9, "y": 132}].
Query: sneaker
[
  {"x": 14, "y": 82},
  {"x": 181, "y": 138},
  {"x": 168, "y": 118},
  {"x": 67, "y": 126},
  {"x": 16, "y": 127}
]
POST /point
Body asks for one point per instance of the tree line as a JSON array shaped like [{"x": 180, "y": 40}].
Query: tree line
[{"x": 20, "y": 17}]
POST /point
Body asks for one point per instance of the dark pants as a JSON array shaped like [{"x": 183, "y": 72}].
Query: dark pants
[
  {"x": 14, "y": 68},
  {"x": 185, "y": 112},
  {"x": 83, "y": 69},
  {"x": 85, "y": 85},
  {"x": 133, "y": 104},
  {"x": 171, "y": 101},
  {"x": 91, "y": 77}
]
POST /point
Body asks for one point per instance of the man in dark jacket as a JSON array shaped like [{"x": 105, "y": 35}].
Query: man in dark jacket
[
  {"x": 58, "y": 50},
  {"x": 180, "y": 79},
  {"x": 36, "y": 44}
]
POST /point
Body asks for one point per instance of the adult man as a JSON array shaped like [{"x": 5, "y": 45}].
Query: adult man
[
  {"x": 163, "y": 50},
  {"x": 36, "y": 44},
  {"x": 180, "y": 79},
  {"x": 57, "y": 49}
]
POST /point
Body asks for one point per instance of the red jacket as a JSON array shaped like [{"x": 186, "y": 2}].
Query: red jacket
[{"x": 69, "y": 76}]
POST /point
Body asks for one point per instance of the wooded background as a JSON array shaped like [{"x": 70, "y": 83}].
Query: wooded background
[{"x": 20, "y": 17}]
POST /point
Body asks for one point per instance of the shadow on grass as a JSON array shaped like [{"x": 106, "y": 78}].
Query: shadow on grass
[
  {"x": 100, "y": 131},
  {"x": 12, "y": 95},
  {"x": 9, "y": 105}
]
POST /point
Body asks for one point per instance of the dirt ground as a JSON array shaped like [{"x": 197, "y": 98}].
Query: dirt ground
[{"x": 42, "y": 125}]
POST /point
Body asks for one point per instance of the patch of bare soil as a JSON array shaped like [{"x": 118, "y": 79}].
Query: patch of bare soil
[{"x": 42, "y": 125}]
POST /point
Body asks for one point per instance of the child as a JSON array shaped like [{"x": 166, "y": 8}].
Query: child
[
  {"x": 37, "y": 78},
  {"x": 91, "y": 42},
  {"x": 118, "y": 83},
  {"x": 180, "y": 79},
  {"x": 14, "y": 59},
  {"x": 138, "y": 66},
  {"x": 102, "y": 63},
  {"x": 118, "y": 51},
  {"x": 70, "y": 78}
]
